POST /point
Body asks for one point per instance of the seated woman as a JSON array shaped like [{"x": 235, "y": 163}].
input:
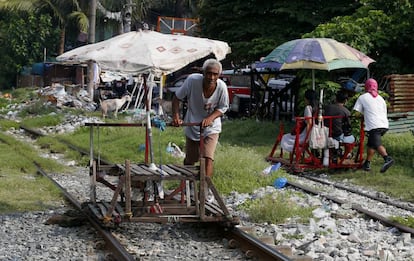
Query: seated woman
[{"x": 288, "y": 140}]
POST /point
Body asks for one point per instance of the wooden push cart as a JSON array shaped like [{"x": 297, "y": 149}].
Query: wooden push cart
[{"x": 186, "y": 203}]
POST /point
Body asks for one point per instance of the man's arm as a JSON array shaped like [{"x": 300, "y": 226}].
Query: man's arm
[
  {"x": 210, "y": 118},
  {"x": 356, "y": 114},
  {"x": 176, "y": 111}
]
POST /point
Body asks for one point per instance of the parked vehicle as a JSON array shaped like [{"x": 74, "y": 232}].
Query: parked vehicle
[{"x": 238, "y": 88}]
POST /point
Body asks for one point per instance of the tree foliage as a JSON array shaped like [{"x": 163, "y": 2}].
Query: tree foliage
[
  {"x": 383, "y": 29},
  {"x": 176, "y": 8},
  {"x": 255, "y": 27},
  {"x": 62, "y": 11},
  {"x": 23, "y": 37},
  {"x": 116, "y": 10}
]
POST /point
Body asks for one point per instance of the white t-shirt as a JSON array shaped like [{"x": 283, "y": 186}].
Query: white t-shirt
[
  {"x": 374, "y": 110},
  {"x": 199, "y": 107}
]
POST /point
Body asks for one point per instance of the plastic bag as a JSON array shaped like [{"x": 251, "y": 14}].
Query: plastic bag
[
  {"x": 272, "y": 168},
  {"x": 319, "y": 136},
  {"x": 173, "y": 149}
]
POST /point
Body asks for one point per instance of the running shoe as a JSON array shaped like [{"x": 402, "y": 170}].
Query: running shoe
[
  {"x": 387, "y": 164},
  {"x": 366, "y": 166}
]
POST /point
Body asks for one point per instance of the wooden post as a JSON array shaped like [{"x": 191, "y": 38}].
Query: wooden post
[
  {"x": 202, "y": 188},
  {"x": 187, "y": 193},
  {"x": 92, "y": 168},
  {"x": 128, "y": 189},
  {"x": 93, "y": 183}
]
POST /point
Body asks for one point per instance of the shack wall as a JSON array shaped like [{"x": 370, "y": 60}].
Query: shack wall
[{"x": 401, "y": 102}]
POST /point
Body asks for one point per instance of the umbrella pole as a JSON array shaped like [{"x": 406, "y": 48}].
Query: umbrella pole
[
  {"x": 148, "y": 136},
  {"x": 320, "y": 104},
  {"x": 161, "y": 96},
  {"x": 144, "y": 84},
  {"x": 313, "y": 79}
]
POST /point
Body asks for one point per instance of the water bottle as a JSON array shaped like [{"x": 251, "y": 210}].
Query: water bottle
[
  {"x": 275, "y": 166},
  {"x": 326, "y": 157}
]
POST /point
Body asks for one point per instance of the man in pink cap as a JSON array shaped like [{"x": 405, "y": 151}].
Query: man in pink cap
[{"x": 374, "y": 109}]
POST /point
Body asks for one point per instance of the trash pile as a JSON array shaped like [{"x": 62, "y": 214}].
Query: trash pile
[{"x": 67, "y": 96}]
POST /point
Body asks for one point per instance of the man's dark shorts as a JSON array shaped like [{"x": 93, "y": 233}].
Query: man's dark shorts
[{"x": 374, "y": 137}]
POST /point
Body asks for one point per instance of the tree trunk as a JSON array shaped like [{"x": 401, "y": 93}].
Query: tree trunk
[
  {"x": 62, "y": 41},
  {"x": 179, "y": 8},
  {"x": 127, "y": 16},
  {"x": 92, "y": 21},
  {"x": 91, "y": 39}
]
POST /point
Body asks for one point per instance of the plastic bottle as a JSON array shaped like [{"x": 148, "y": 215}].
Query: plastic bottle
[
  {"x": 275, "y": 166},
  {"x": 326, "y": 157}
]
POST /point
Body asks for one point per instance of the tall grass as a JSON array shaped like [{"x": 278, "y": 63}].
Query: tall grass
[
  {"x": 240, "y": 156},
  {"x": 21, "y": 189},
  {"x": 398, "y": 180},
  {"x": 117, "y": 144}
]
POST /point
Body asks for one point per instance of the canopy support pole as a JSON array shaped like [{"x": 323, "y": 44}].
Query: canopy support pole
[{"x": 313, "y": 79}]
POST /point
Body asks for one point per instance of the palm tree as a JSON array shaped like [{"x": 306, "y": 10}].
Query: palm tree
[
  {"x": 124, "y": 11},
  {"x": 62, "y": 10}
]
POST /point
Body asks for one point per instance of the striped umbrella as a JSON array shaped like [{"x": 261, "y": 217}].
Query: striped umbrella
[{"x": 316, "y": 54}]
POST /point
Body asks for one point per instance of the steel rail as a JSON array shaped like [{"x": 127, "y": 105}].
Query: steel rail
[
  {"x": 386, "y": 201},
  {"x": 117, "y": 250},
  {"x": 355, "y": 207},
  {"x": 252, "y": 246}
]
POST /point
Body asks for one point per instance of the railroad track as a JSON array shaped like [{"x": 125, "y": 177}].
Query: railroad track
[
  {"x": 117, "y": 250},
  {"x": 251, "y": 252},
  {"x": 238, "y": 238},
  {"x": 251, "y": 246},
  {"x": 356, "y": 206}
]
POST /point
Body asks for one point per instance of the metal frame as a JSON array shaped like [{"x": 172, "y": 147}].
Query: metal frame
[{"x": 303, "y": 158}]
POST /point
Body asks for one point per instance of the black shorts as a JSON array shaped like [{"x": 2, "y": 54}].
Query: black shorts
[{"x": 374, "y": 137}]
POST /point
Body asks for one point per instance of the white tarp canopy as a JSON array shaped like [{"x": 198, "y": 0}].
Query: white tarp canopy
[{"x": 147, "y": 51}]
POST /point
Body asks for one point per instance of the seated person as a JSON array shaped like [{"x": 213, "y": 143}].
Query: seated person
[
  {"x": 341, "y": 126},
  {"x": 288, "y": 140}
]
